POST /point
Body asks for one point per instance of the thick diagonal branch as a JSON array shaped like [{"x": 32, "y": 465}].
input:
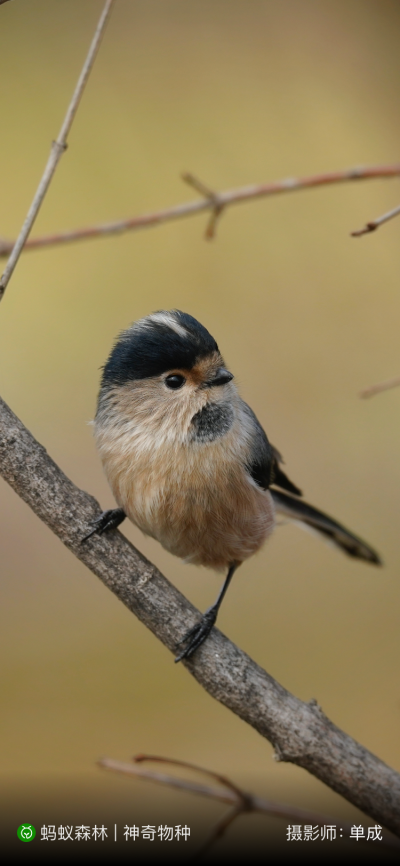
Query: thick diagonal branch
[{"x": 299, "y": 732}]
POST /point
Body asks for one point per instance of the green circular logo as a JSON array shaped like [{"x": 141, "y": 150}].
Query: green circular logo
[{"x": 26, "y": 832}]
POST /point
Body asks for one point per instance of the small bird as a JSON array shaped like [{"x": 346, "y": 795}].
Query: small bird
[{"x": 187, "y": 460}]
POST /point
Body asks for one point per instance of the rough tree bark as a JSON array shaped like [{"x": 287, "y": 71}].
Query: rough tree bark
[{"x": 299, "y": 732}]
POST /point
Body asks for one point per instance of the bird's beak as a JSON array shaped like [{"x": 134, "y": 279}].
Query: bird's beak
[{"x": 222, "y": 377}]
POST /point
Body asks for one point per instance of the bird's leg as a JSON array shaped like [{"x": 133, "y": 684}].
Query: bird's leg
[
  {"x": 199, "y": 632},
  {"x": 107, "y": 520}
]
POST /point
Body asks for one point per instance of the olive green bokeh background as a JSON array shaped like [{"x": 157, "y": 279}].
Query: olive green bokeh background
[{"x": 236, "y": 91}]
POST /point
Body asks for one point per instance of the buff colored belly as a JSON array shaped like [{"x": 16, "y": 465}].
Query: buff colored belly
[{"x": 198, "y": 520}]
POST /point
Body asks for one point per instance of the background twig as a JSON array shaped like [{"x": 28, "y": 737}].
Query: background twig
[
  {"x": 57, "y": 149},
  {"x": 374, "y": 224},
  {"x": 214, "y": 201},
  {"x": 380, "y": 386},
  {"x": 226, "y": 792}
]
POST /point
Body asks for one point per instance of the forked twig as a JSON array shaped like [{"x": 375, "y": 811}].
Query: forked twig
[
  {"x": 213, "y": 197},
  {"x": 226, "y": 792},
  {"x": 212, "y": 201},
  {"x": 58, "y": 147}
]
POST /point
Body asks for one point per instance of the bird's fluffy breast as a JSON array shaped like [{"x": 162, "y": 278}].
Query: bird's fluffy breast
[{"x": 180, "y": 482}]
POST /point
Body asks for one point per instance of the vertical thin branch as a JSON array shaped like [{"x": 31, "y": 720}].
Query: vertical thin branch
[{"x": 57, "y": 149}]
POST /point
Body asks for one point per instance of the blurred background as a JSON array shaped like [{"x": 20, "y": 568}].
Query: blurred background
[{"x": 236, "y": 92}]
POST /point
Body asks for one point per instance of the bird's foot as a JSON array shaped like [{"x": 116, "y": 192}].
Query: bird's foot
[
  {"x": 105, "y": 522},
  {"x": 197, "y": 634}
]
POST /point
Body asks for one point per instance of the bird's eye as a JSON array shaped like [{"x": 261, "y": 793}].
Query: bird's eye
[{"x": 175, "y": 381}]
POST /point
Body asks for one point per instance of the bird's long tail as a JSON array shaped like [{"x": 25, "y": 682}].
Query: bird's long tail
[{"x": 300, "y": 512}]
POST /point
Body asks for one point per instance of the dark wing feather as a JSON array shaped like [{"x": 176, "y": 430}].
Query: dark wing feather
[
  {"x": 264, "y": 466},
  {"x": 280, "y": 478},
  {"x": 262, "y": 458}
]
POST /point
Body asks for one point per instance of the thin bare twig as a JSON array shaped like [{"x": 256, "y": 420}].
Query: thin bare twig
[
  {"x": 224, "y": 199},
  {"x": 380, "y": 386},
  {"x": 223, "y": 794},
  {"x": 213, "y": 198},
  {"x": 374, "y": 224},
  {"x": 58, "y": 147},
  {"x": 173, "y": 762},
  {"x": 241, "y": 801}
]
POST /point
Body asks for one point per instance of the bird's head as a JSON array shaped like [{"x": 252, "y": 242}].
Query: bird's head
[{"x": 164, "y": 369}]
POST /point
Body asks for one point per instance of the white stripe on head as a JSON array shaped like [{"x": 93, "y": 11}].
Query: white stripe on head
[{"x": 163, "y": 317}]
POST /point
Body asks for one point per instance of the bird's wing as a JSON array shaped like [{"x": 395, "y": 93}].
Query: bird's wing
[
  {"x": 309, "y": 517},
  {"x": 264, "y": 467},
  {"x": 280, "y": 478},
  {"x": 261, "y": 459},
  {"x": 264, "y": 464}
]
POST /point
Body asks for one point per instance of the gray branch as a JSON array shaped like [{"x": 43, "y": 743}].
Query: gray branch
[{"x": 299, "y": 732}]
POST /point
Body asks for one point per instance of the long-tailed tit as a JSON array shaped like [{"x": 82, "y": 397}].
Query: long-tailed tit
[{"x": 188, "y": 461}]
